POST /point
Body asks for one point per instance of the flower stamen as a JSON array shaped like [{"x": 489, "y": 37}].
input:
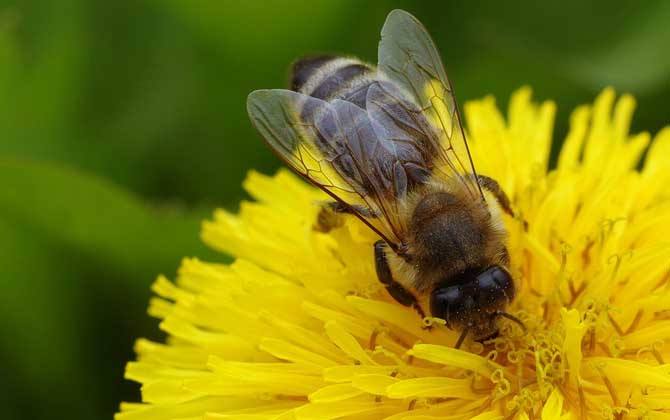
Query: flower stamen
[
  {"x": 654, "y": 349},
  {"x": 636, "y": 321},
  {"x": 574, "y": 293},
  {"x": 582, "y": 401},
  {"x": 616, "y": 325},
  {"x": 411, "y": 405},
  {"x": 373, "y": 338},
  {"x": 609, "y": 386}
]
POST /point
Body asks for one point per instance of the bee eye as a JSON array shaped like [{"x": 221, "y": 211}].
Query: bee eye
[
  {"x": 495, "y": 284},
  {"x": 473, "y": 291},
  {"x": 450, "y": 303}
]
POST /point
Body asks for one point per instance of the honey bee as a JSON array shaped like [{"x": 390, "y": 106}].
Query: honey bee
[{"x": 387, "y": 145}]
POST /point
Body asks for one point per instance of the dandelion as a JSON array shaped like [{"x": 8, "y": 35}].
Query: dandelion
[{"x": 298, "y": 327}]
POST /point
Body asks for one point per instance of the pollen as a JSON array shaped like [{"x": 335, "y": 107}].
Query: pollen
[{"x": 298, "y": 327}]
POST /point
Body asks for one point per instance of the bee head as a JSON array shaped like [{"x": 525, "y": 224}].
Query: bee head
[{"x": 473, "y": 300}]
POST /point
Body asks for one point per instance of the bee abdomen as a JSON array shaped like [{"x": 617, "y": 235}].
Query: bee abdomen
[
  {"x": 303, "y": 69},
  {"x": 329, "y": 77}
]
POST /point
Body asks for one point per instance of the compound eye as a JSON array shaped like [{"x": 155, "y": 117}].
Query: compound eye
[
  {"x": 495, "y": 284},
  {"x": 447, "y": 303}
]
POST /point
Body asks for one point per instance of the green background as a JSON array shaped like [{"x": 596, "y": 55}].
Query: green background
[{"x": 123, "y": 124}]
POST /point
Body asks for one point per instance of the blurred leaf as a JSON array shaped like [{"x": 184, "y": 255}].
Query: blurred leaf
[
  {"x": 245, "y": 28},
  {"x": 78, "y": 254},
  {"x": 8, "y": 51},
  {"x": 638, "y": 61},
  {"x": 39, "y": 295},
  {"x": 42, "y": 90},
  {"x": 96, "y": 217}
]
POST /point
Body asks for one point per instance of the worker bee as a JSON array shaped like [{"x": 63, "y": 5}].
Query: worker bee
[{"x": 387, "y": 145}]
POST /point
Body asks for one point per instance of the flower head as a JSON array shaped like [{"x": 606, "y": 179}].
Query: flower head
[{"x": 298, "y": 327}]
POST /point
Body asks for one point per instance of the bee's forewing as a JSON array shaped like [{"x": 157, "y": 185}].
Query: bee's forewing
[
  {"x": 407, "y": 55},
  {"x": 335, "y": 146}
]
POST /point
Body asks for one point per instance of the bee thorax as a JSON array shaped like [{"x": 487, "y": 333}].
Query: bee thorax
[{"x": 449, "y": 235}]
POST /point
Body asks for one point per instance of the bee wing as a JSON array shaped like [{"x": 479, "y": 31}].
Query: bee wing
[
  {"x": 335, "y": 146},
  {"x": 408, "y": 57}
]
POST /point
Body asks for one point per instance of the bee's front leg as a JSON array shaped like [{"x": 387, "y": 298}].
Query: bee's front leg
[
  {"x": 395, "y": 289},
  {"x": 329, "y": 216},
  {"x": 492, "y": 186}
]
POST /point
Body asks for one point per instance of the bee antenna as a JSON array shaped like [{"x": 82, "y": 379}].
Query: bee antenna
[
  {"x": 461, "y": 338},
  {"x": 512, "y": 318}
]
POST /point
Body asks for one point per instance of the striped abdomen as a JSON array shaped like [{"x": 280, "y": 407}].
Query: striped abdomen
[
  {"x": 329, "y": 77},
  {"x": 396, "y": 159}
]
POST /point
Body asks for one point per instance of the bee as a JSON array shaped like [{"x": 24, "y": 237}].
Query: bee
[{"x": 387, "y": 145}]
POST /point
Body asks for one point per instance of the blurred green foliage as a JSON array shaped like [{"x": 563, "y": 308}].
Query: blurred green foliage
[{"x": 122, "y": 125}]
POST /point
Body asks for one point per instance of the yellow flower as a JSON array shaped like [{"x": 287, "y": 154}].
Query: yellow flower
[{"x": 298, "y": 327}]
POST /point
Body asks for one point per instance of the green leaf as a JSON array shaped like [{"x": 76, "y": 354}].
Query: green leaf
[
  {"x": 41, "y": 329},
  {"x": 78, "y": 255},
  {"x": 638, "y": 61},
  {"x": 248, "y": 26},
  {"x": 97, "y": 218}
]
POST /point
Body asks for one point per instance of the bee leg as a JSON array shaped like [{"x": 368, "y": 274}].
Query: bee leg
[
  {"x": 492, "y": 186},
  {"x": 339, "y": 207},
  {"x": 395, "y": 289},
  {"x": 494, "y": 334},
  {"x": 328, "y": 218},
  {"x": 461, "y": 337},
  {"x": 511, "y": 318}
]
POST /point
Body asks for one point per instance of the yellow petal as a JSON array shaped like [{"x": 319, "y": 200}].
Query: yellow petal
[
  {"x": 435, "y": 387},
  {"x": 553, "y": 407},
  {"x": 453, "y": 357}
]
